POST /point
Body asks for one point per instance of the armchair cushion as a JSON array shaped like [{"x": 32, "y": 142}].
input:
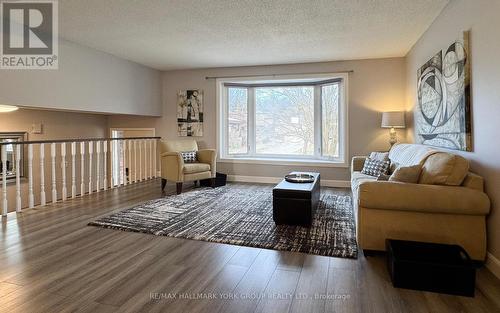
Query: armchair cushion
[
  {"x": 174, "y": 168},
  {"x": 208, "y": 156},
  {"x": 178, "y": 145},
  {"x": 190, "y": 168}
]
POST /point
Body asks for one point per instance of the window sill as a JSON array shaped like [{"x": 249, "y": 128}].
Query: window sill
[{"x": 274, "y": 161}]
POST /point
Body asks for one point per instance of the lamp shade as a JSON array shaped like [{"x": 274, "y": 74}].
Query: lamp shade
[{"x": 393, "y": 119}]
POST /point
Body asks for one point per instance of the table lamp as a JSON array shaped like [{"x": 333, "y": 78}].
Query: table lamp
[{"x": 392, "y": 120}]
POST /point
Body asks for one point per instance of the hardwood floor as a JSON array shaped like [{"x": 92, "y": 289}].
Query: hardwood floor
[{"x": 51, "y": 261}]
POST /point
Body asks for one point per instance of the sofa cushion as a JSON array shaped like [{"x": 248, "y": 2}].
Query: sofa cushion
[
  {"x": 357, "y": 178},
  {"x": 404, "y": 154},
  {"x": 473, "y": 181},
  {"x": 444, "y": 169},
  {"x": 383, "y": 177},
  {"x": 406, "y": 174},
  {"x": 190, "y": 168},
  {"x": 422, "y": 198}
]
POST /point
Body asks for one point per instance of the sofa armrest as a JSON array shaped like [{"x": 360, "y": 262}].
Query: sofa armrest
[
  {"x": 357, "y": 163},
  {"x": 386, "y": 195},
  {"x": 208, "y": 156},
  {"x": 172, "y": 166}
]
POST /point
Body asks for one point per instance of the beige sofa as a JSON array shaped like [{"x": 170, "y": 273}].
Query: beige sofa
[
  {"x": 448, "y": 205},
  {"x": 175, "y": 170}
]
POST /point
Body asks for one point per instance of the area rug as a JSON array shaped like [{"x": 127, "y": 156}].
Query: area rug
[{"x": 242, "y": 214}]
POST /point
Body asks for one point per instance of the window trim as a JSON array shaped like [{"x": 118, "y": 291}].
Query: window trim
[{"x": 318, "y": 79}]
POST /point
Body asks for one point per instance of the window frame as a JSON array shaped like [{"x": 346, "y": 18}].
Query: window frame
[{"x": 316, "y": 80}]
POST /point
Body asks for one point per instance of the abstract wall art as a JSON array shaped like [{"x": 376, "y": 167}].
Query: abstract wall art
[
  {"x": 443, "y": 112},
  {"x": 190, "y": 113}
]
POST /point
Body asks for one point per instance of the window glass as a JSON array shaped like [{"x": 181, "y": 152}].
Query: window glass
[
  {"x": 284, "y": 121},
  {"x": 237, "y": 121},
  {"x": 330, "y": 120}
]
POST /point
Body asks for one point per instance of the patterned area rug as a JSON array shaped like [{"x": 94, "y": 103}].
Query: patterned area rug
[{"x": 242, "y": 214}]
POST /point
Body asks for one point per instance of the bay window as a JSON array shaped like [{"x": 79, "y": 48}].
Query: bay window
[{"x": 283, "y": 119}]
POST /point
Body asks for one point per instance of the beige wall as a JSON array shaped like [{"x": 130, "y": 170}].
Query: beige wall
[
  {"x": 87, "y": 80},
  {"x": 481, "y": 17},
  {"x": 56, "y": 125},
  {"x": 375, "y": 86}
]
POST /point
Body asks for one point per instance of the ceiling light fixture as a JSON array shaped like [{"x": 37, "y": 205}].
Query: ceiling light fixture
[{"x": 7, "y": 108}]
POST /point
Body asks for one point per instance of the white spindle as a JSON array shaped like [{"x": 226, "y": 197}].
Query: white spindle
[
  {"x": 145, "y": 159},
  {"x": 4, "y": 179},
  {"x": 150, "y": 158},
  {"x": 111, "y": 164},
  {"x": 98, "y": 165},
  {"x": 91, "y": 152},
  {"x": 105, "y": 161},
  {"x": 140, "y": 160},
  {"x": 129, "y": 147},
  {"x": 154, "y": 158},
  {"x": 31, "y": 196},
  {"x": 82, "y": 168},
  {"x": 135, "y": 161},
  {"x": 73, "y": 170},
  {"x": 146, "y": 172},
  {"x": 146, "y": 165},
  {"x": 42, "y": 175},
  {"x": 18, "y": 178},
  {"x": 119, "y": 155},
  {"x": 63, "y": 167},
  {"x": 53, "y": 162},
  {"x": 124, "y": 160}
]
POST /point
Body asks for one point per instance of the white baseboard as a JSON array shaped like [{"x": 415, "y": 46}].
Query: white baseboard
[
  {"x": 493, "y": 264},
  {"x": 275, "y": 180}
]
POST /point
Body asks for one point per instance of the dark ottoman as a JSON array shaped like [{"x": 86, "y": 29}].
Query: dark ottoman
[{"x": 295, "y": 203}]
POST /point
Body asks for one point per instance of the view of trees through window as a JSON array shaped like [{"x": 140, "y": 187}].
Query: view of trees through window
[
  {"x": 237, "y": 121},
  {"x": 330, "y": 120},
  {"x": 283, "y": 120}
]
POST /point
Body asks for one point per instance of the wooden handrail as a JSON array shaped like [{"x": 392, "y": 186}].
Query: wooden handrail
[
  {"x": 127, "y": 156},
  {"x": 73, "y": 140}
]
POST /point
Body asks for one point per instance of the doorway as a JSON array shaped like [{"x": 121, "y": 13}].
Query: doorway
[{"x": 118, "y": 162}]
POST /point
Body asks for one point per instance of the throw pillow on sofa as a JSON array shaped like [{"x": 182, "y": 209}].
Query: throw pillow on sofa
[
  {"x": 406, "y": 174},
  {"x": 444, "y": 169},
  {"x": 375, "y": 168},
  {"x": 383, "y": 177},
  {"x": 380, "y": 156},
  {"x": 189, "y": 156}
]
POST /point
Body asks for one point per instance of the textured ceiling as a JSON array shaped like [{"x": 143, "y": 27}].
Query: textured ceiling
[{"x": 180, "y": 34}]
